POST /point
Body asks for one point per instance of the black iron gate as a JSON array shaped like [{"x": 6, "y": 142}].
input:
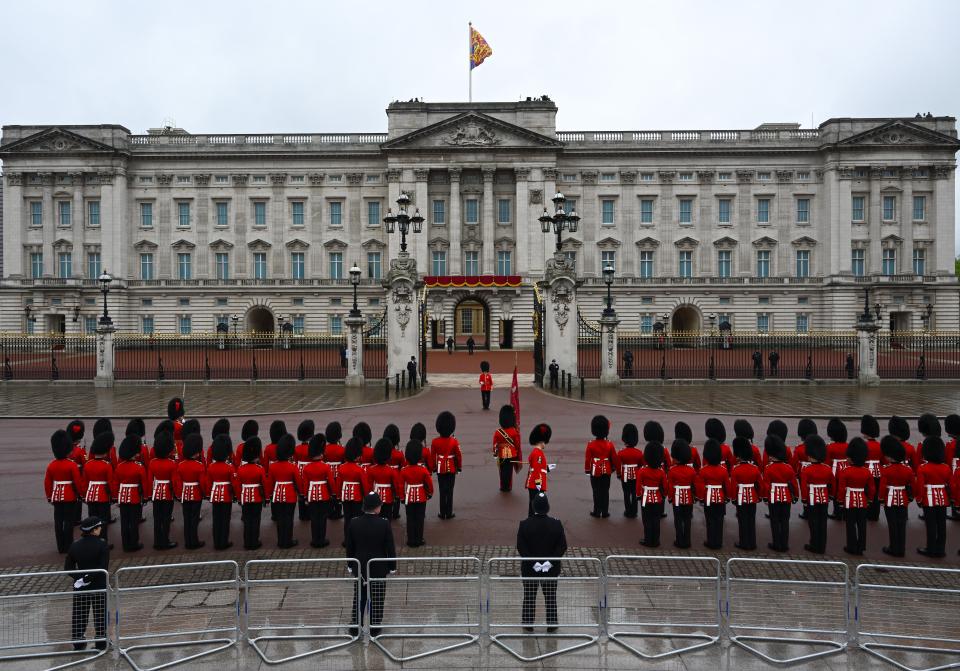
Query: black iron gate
[
  {"x": 375, "y": 347},
  {"x": 588, "y": 348},
  {"x": 539, "y": 342},
  {"x": 424, "y": 336}
]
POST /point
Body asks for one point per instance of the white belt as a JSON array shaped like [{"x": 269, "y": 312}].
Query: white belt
[
  {"x": 647, "y": 494},
  {"x": 893, "y": 495},
  {"x": 246, "y": 486},
  {"x": 124, "y": 485},
  {"x": 278, "y": 484},
  {"x": 813, "y": 498},
  {"x": 742, "y": 488},
  {"x": 848, "y": 497},
  {"x": 776, "y": 486},
  {"x": 677, "y": 489},
  {"x": 873, "y": 465},
  {"x": 930, "y": 492},
  {"x": 629, "y": 472},
  {"x": 712, "y": 488}
]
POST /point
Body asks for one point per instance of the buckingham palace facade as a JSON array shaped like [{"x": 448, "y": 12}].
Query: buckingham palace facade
[{"x": 778, "y": 228}]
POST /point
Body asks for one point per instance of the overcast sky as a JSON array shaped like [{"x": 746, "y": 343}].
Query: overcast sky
[{"x": 223, "y": 67}]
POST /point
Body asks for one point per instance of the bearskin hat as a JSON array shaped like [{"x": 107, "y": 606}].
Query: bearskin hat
[
  {"x": 61, "y": 444},
  {"x": 252, "y": 448},
  {"x": 600, "y": 427},
  {"x": 484, "y": 366},
  {"x": 446, "y": 424},
  {"x": 129, "y": 448},
  {"x": 897, "y": 426},
  {"x": 837, "y": 430},
  {"x": 857, "y": 451},
  {"x": 742, "y": 427},
  {"x": 683, "y": 431},
  {"x": 774, "y": 448},
  {"x": 933, "y": 449},
  {"x": 164, "y": 425},
  {"x": 653, "y": 455},
  {"x": 305, "y": 431},
  {"x": 353, "y": 449},
  {"x": 540, "y": 434},
  {"x": 712, "y": 453},
  {"x": 777, "y": 428},
  {"x": 928, "y": 424},
  {"x": 382, "y": 451},
  {"x": 192, "y": 445},
  {"x": 816, "y": 448},
  {"x": 363, "y": 433},
  {"x": 163, "y": 445},
  {"x": 715, "y": 429},
  {"x": 250, "y": 428},
  {"x": 952, "y": 424},
  {"x": 630, "y": 435},
  {"x": 413, "y": 452},
  {"x": 75, "y": 430},
  {"x": 806, "y": 427},
  {"x": 136, "y": 427},
  {"x": 392, "y": 433},
  {"x": 508, "y": 417},
  {"x": 175, "y": 408},
  {"x": 102, "y": 443},
  {"x": 285, "y": 447},
  {"x": 742, "y": 448},
  {"x": 222, "y": 448},
  {"x": 418, "y": 432},
  {"x": 653, "y": 432},
  {"x": 190, "y": 426},
  {"x": 892, "y": 448},
  {"x": 316, "y": 446},
  {"x": 869, "y": 426},
  {"x": 222, "y": 425},
  {"x": 277, "y": 428},
  {"x": 102, "y": 425},
  {"x": 680, "y": 451},
  {"x": 333, "y": 432}
]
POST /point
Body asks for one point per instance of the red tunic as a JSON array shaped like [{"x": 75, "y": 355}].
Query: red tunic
[
  {"x": 817, "y": 484},
  {"x": 397, "y": 459},
  {"x": 221, "y": 481},
  {"x": 352, "y": 482},
  {"x": 99, "y": 476},
  {"x": 837, "y": 456},
  {"x": 316, "y": 482},
  {"x": 896, "y": 481},
  {"x": 385, "y": 481},
  {"x": 680, "y": 482},
  {"x": 955, "y": 487},
  {"x": 914, "y": 458},
  {"x": 780, "y": 482},
  {"x": 726, "y": 456},
  {"x": 283, "y": 482},
  {"x": 629, "y": 461},
  {"x": 161, "y": 479},
  {"x": 301, "y": 457},
  {"x": 695, "y": 458},
  {"x": 712, "y": 484},
  {"x": 855, "y": 487},
  {"x": 269, "y": 456},
  {"x": 537, "y": 475},
  {"x": 651, "y": 485},
  {"x": 445, "y": 453},
  {"x": 78, "y": 455},
  {"x": 366, "y": 456},
  {"x": 111, "y": 455},
  {"x": 486, "y": 382},
  {"x": 190, "y": 480},
  {"x": 333, "y": 457},
  {"x": 237, "y": 455},
  {"x": 746, "y": 484},
  {"x": 502, "y": 447},
  {"x": 874, "y": 458},
  {"x": 130, "y": 482},
  {"x": 251, "y": 483},
  {"x": 757, "y": 457},
  {"x": 417, "y": 485},
  {"x": 800, "y": 461},
  {"x": 932, "y": 486},
  {"x": 63, "y": 482},
  {"x": 600, "y": 458},
  {"x": 766, "y": 461},
  {"x": 951, "y": 456}
]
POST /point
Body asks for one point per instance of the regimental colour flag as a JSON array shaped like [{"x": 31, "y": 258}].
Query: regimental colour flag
[
  {"x": 479, "y": 49},
  {"x": 515, "y": 397}
]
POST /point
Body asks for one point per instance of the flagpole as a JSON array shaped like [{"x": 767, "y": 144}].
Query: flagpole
[{"x": 470, "y": 61}]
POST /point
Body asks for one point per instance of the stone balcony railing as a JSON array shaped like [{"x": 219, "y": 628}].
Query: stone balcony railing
[
  {"x": 807, "y": 136},
  {"x": 297, "y": 141}
]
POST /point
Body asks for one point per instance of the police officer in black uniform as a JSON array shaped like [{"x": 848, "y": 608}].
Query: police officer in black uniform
[{"x": 87, "y": 553}]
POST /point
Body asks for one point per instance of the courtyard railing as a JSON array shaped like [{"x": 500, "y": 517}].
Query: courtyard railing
[{"x": 48, "y": 357}]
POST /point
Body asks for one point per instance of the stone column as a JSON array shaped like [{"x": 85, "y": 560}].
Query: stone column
[
  {"x": 13, "y": 255},
  {"x": 608, "y": 356},
  {"x": 49, "y": 230},
  {"x": 104, "y": 376},
  {"x": 393, "y": 192},
  {"x": 905, "y": 265},
  {"x": 521, "y": 216},
  {"x": 455, "y": 262},
  {"x": 867, "y": 350},
  {"x": 354, "y": 376},
  {"x": 488, "y": 263},
  {"x": 875, "y": 253},
  {"x": 559, "y": 290},
  {"x": 79, "y": 222},
  {"x": 403, "y": 312},
  {"x": 421, "y": 201},
  {"x": 945, "y": 212}
]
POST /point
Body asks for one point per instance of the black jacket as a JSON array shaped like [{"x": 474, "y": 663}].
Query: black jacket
[
  {"x": 541, "y": 536},
  {"x": 84, "y": 554},
  {"x": 370, "y": 537}
]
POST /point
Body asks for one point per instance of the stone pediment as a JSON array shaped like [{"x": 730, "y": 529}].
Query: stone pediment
[
  {"x": 648, "y": 243},
  {"x": 335, "y": 245},
  {"x": 145, "y": 245},
  {"x": 608, "y": 242},
  {"x": 572, "y": 242},
  {"x": 55, "y": 140},
  {"x": 221, "y": 244},
  {"x": 259, "y": 244},
  {"x": 373, "y": 243},
  {"x": 765, "y": 243},
  {"x": 686, "y": 242},
  {"x": 471, "y": 131},
  {"x": 726, "y": 242},
  {"x": 900, "y": 132},
  {"x": 183, "y": 244},
  {"x": 297, "y": 243},
  {"x": 804, "y": 241}
]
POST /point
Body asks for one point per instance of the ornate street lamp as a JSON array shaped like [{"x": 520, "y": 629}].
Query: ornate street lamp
[
  {"x": 105, "y": 279},
  {"x": 403, "y": 221},
  {"x": 877, "y": 308},
  {"x": 927, "y": 315},
  {"x": 560, "y": 220},
  {"x": 608, "y": 272},
  {"x": 235, "y": 319},
  {"x": 866, "y": 316},
  {"x": 355, "y": 281},
  {"x": 712, "y": 318}
]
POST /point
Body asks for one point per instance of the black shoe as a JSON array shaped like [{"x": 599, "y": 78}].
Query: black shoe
[
  {"x": 79, "y": 646},
  {"x": 889, "y": 551},
  {"x": 197, "y": 546},
  {"x": 291, "y": 544},
  {"x": 135, "y": 548},
  {"x": 773, "y": 547},
  {"x": 851, "y": 551},
  {"x": 441, "y": 516},
  {"x": 810, "y": 548},
  {"x": 451, "y": 516},
  {"x": 168, "y": 546},
  {"x": 100, "y": 645},
  {"x": 604, "y": 515},
  {"x": 594, "y": 513},
  {"x": 223, "y": 547}
]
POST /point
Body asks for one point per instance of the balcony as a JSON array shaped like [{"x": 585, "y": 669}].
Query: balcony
[
  {"x": 801, "y": 136},
  {"x": 252, "y": 143},
  {"x": 247, "y": 283}
]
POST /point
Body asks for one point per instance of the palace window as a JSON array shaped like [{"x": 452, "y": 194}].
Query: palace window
[
  {"x": 336, "y": 213},
  {"x": 857, "y": 207},
  {"x": 260, "y": 213},
  {"x": 296, "y": 212},
  {"x": 146, "y": 266},
  {"x": 686, "y": 210},
  {"x": 889, "y": 208},
  {"x": 919, "y": 208},
  {"x": 439, "y": 212},
  {"x": 93, "y": 213},
  {"x": 723, "y": 263},
  {"x": 803, "y": 263},
  {"x": 763, "y": 210},
  {"x": 919, "y": 261},
  {"x": 803, "y": 210},
  {"x": 606, "y": 212},
  {"x": 259, "y": 265},
  {"x": 439, "y": 262},
  {"x": 503, "y": 263},
  {"x": 146, "y": 215},
  {"x": 183, "y": 215},
  {"x": 857, "y": 262},
  {"x": 686, "y": 264},
  {"x": 471, "y": 263},
  {"x": 65, "y": 212},
  {"x": 336, "y": 265},
  {"x": 889, "y": 262},
  {"x": 723, "y": 211},
  {"x": 297, "y": 265},
  {"x": 93, "y": 265},
  {"x": 36, "y": 213},
  {"x": 763, "y": 263},
  {"x": 223, "y": 214},
  {"x": 373, "y": 265},
  {"x": 223, "y": 265},
  {"x": 646, "y": 211},
  {"x": 646, "y": 264},
  {"x": 65, "y": 264},
  {"x": 184, "y": 271},
  {"x": 373, "y": 213}
]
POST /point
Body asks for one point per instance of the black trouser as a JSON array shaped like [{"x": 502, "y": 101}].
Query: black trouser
[
  {"x": 250, "y": 513},
  {"x": 533, "y": 494},
  {"x": 303, "y": 513},
  {"x": 682, "y": 516},
  {"x": 162, "y": 512},
  {"x": 396, "y": 509},
  {"x": 411, "y": 380},
  {"x": 780, "y": 525},
  {"x": 601, "y": 494},
  {"x": 377, "y": 591},
  {"x": 101, "y": 510},
  {"x": 897, "y": 527},
  {"x": 873, "y": 510},
  {"x": 191, "y": 524},
  {"x": 83, "y": 603},
  {"x": 319, "y": 510},
  {"x": 837, "y": 510},
  {"x": 747, "y": 523},
  {"x": 284, "y": 523},
  {"x": 505, "y": 469},
  {"x": 64, "y": 515},
  {"x": 713, "y": 515},
  {"x": 351, "y": 509},
  {"x": 935, "y": 518},
  {"x": 629, "y": 497},
  {"x": 485, "y": 398},
  {"x": 817, "y": 521},
  {"x": 651, "y": 523},
  {"x": 554, "y": 381},
  {"x": 415, "y": 514},
  {"x": 445, "y": 484},
  {"x": 336, "y": 509},
  {"x": 856, "y": 529},
  {"x": 220, "y": 512},
  {"x": 130, "y": 525},
  {"x": 529, "y": 610}
]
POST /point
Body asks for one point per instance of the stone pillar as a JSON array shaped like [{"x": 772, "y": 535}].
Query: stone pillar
[
  {"x": 945, "y": 213},
  {"x": 559, "y": 290},
  {"x": 50, "y": 215},
  {"x": 13, "y": 253},
  {"x": 875, "y": 250},
  {"x": 354, "y": 376},
  {"x": 393, "y": 192},
  {"x": 421, "y": 202},
  {"x": 455, "y": 262},
  {"x": 905, "y": 262},
  {"x": 488, "y": 263},
  {"x": 608, "y": 354},
  {"x": 104, "y": 376},
  {"x": 867, "y": 350},
  {"x": 403, "y": 311},
  {"x": 521, "y": 223}
]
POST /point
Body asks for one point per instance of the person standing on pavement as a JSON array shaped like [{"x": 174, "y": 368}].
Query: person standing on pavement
[
  {"x": 540, "y": 541},
  {"x": 471, "y": 344},
  {"x": 600, "y": 460},
  {"x": 554, "y": 369},
  {"x": 368, "y": 537},
  {"x": 507, "y": 447},
  {"x": 412, "y": 373},
  {"x": 88, "y": 553},
  {"x": 449, "y": 344},
  {"x": 486, "y": 384},
  {"x": 63, "y": 485},
  {"x": 445, "y": 454}
]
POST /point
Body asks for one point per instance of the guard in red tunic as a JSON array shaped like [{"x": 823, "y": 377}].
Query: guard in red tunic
[
  {"x": 781, "y": 489},
  {"x": 682, "y": 431},
  {"x": 384, "y": 478},
  {"x": 653, "y": 433},
  {"x": 283, "y": 485},
  {"x": 189, "y": 483},
  {"x": 175, "y": 414},
  {"x": 779, "y": 429},
  {"x": 78, "y": 453},
  {"x": 855, "y": 489},
  {"x": 221, "y": 488},
  {"x": 507, "y": 447},
  {"x": 418, "y": 432},
  {"x": 715, "y": 429},
  {"x": 301, "y": 457},
  {"x": 651, "y": 492},
  {"x": 896, "y": 491},
  {"x": 221, "y": 426},
  {"x": 629, "y": 461},
  {"x": 951, "y": 424},
  {"x": 744, "y": 429},
  {"x": 899, "y": 428},
  {"x": 103, "y": 425},
  {"x": 397, "y": 461},
  {"x": 817, "y": 486},
  {"x": 712, "y": 483},
  {"x": 417, "y": 490},
  {"x": 137, "y": 428},
  {"x": 161, "y": 472},
  {"x": 333, "y": 457},
  {"x": 805, "y": 427},
  {"x": 870, "y": 430},
  {"x": 932, "y": 490},
  {"x": 278, "y": 430},
  {"x": 680, "y": 484},
  {"x": 364, "y": 434},
  {"x": 63, "y": 485},
  {"x": 836, "y": 458},
  {"x": 599, "y": 462},
  {"x": 745, "y": 490},
  {"x": 316, "y": 482},
  {"x": 486, "y": 384},
  {"x": 252, "y": 490},
  {"x": 163, "y": 426},
  {"x": 446, "y": 455},
  {"x": 98, "y": 474},
  {"x": 249, "y": 429},
  {"x": 352, "y": 483},
  {"x": 537, "y": 461},
  {"x": 189, "y": 426},
  {"x": 132, "y": 485}
]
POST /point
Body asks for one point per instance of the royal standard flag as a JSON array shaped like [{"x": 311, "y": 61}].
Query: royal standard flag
[{"x": 479, "y": 49}]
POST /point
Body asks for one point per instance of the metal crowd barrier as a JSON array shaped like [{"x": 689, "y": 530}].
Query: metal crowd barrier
[
  {"x": 910, "y": 609},
  {"x": 171, "y": 606},
  {"x": 577, "y": 594},
  {"x": 662, "y": 597},
  {"x": 427, "y": 598},
  {"x": 803, "y": 603},
  {"x": 41, "y": 612},
  {"x": 289, "y": 600}
]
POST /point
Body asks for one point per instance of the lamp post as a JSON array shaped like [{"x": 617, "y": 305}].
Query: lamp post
[
  {"x": 927, "y": 315},
  {"x": 403, "y": 221},
  {"x": 560, "y": 220},
  {"x": 608, "y": 272},
  {"x": 712, "y": 318},
  {"x": 355, "y": 281},
  {"x": 235, "y": 319},
  {"x": 105, "y": 279}
]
